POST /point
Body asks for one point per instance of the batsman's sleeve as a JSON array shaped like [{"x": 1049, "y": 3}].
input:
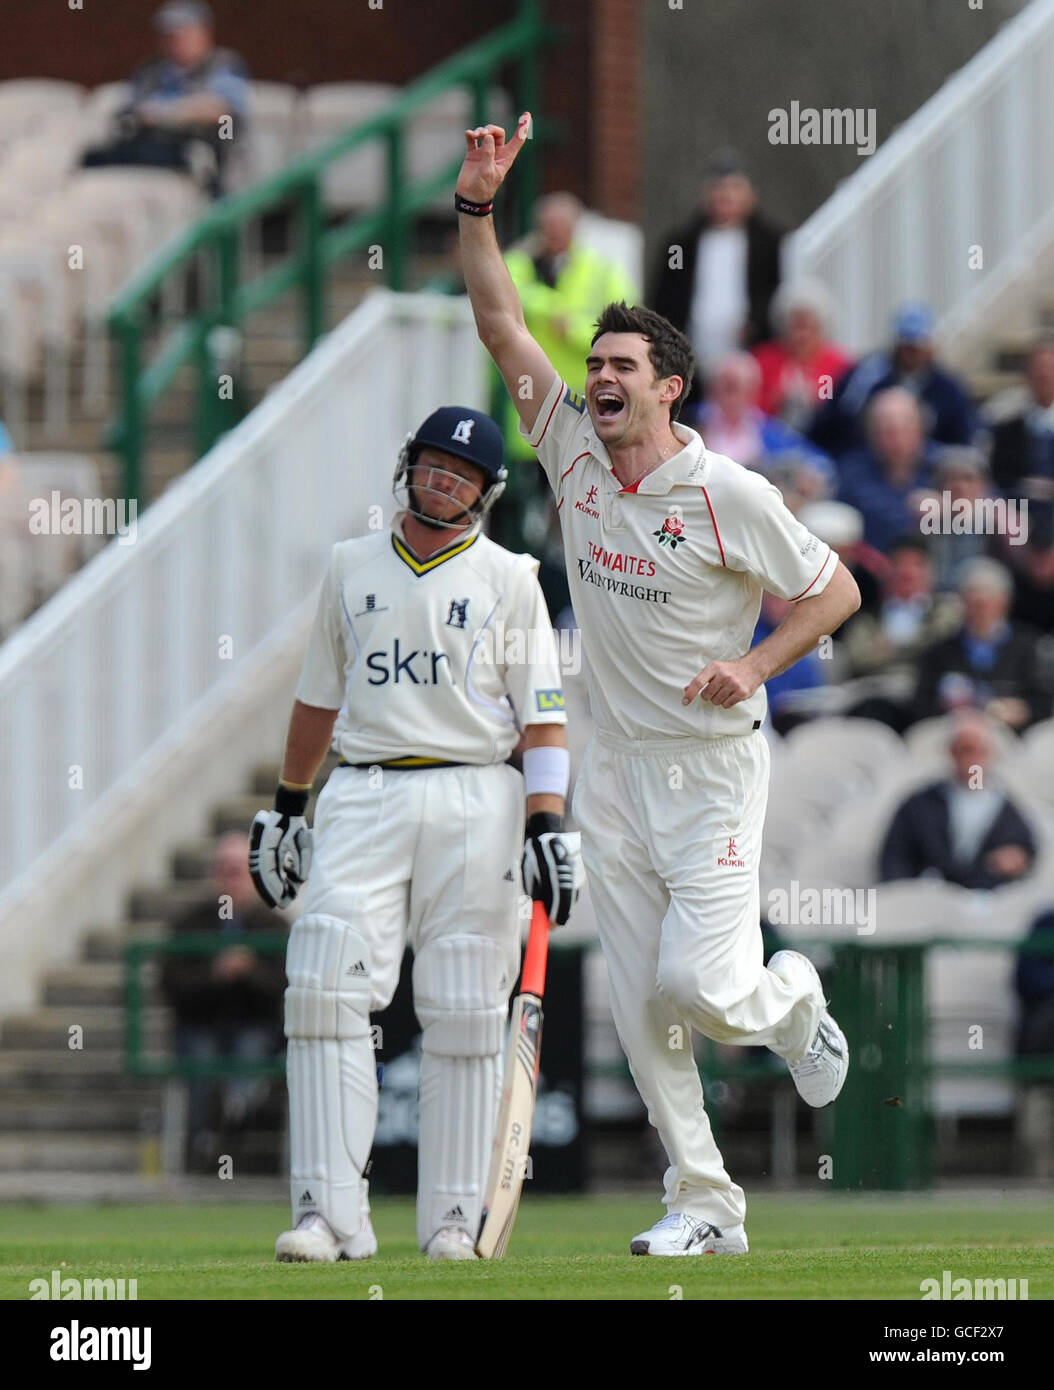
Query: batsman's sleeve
[
  {"x": 532, "y": 666},
  {"x": 759, "y": 534},
  {"x": 560, "y": 420},
  {"x": 322, "y": 677}
]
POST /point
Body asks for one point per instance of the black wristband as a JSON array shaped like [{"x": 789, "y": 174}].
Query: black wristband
[
  {"x": 473, "y": 209},
  {"x": 543, "y": 823},
  {"x": 289, "y": 802}
]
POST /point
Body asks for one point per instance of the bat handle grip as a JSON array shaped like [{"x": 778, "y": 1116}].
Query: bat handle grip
[{"x": 534, "y": 959}]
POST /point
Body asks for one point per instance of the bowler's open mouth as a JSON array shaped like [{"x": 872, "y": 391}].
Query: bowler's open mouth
[{"x": 608, "y": 404}]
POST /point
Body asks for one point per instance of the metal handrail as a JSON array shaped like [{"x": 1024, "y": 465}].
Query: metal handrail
[{"x": 216, "y": 235}]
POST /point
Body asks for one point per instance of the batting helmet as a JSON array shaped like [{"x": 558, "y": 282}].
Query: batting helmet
[{"x": 467, "y": 434}]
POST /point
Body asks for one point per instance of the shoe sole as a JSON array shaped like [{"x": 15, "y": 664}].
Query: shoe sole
[{"x": 643, "y": 1247}]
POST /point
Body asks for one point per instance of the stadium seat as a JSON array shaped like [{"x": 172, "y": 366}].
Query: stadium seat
[
  {"x": 101, "y": 106},
  {"x": 273, "y": 132},
  {"x": 29, "y": 101},
  {"x": 38, "y": 165},
  {"x": 860, "y": 743},
  {"x": 329, "y": 109},
  {"x": 437, "y": 132}
]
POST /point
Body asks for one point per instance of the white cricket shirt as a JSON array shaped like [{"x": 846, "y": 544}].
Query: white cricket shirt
[
  {"x": 668, "y": 576},
  {"x": 447, "y": 658}
]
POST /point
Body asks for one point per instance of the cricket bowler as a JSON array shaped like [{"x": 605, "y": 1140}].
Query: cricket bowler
[
  {"x": 413, "y": 675},
  {"x": 669, "y": 549}
]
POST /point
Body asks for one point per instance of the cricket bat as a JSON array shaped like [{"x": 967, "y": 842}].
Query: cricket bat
[{"x": 512, "y": 1138}]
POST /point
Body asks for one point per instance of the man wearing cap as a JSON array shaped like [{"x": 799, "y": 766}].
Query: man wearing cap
[
  {"x": 948, "y": 415},
  {"x": 716, "y": 275},
  {"x": 178, "y": 103},
  {"x": 431, "y": 659}
]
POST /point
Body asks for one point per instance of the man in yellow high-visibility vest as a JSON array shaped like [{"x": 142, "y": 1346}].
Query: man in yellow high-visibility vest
[{"x": 563, "y": 285}]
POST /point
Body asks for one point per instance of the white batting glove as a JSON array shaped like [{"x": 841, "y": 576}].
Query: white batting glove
[
  {"x": 280, "y": 848},
  {"x": 552, "y": 865}
]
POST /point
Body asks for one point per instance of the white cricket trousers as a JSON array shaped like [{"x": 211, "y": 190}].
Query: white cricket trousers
[{"x": 671, "y": 838}]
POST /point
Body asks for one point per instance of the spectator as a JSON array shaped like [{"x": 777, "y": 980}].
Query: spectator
[
  {"x": 948, "y": 415},
  {"x": 842, "y": 528},
  {"x": 563, "y": 285},
  {"x": 990, "y": 663},
  {"x": 1034, "y": 984},
  {"x": 716, "y": 275},
  {"x": 229, "y": 1004},
  {"x": 732, "y": 424},
  {"x": 800, "y": 368},
  {"x": 963, "y": 829},
  {"x": 884, "y": 645},
  {"x": 1022, "y": 458},
  {"x": 962, "y": 473},
  {"x": 177, "y": 102},
  {"x": 887, "y": 480},
  {"x": 1032, "y": 565}
]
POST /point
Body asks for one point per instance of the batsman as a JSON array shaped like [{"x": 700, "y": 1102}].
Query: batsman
[
  {"x": 431, "y": 658},
  {"x": 669, "y": 548}
]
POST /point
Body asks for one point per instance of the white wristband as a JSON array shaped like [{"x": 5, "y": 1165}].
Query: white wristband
[{"x": 546, "y": 770}]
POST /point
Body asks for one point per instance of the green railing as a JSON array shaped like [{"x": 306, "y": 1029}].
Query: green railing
[
  {"x": 882, "y": 1133},
  {"x": 214, "y": 241}
]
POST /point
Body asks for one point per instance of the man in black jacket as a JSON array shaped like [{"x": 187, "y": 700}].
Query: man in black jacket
[
  {"x": 1022, "y": 459},
  {"x": 962, "y": 829},
  {"x": 716, "y": 275},
  {"x": 990, "y": 664}
]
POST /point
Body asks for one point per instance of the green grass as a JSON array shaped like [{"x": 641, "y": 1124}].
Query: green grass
[{"x": 801, "y": 1247}]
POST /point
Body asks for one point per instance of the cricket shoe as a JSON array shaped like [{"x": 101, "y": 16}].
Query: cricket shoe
[
  {"x": 315, "y": 1242},
  {"x": 680, "y": 1234},
  {"x": 451, "y": 1243},
  {"x": 821, "y": 1073}
]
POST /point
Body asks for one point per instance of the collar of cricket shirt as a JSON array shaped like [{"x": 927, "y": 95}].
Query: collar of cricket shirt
[{"x": 690, "y": 465}]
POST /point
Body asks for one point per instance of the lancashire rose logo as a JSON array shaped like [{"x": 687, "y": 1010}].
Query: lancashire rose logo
[{"x": 672, "y": 532}]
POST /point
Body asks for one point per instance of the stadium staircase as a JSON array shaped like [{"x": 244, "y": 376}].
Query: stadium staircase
[{"x": 76, "y": 1111}]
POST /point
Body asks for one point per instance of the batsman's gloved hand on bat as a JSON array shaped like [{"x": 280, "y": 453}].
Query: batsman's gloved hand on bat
[
  {"x": 280, "y": 845},
  {"x": 552, "y": 865}
]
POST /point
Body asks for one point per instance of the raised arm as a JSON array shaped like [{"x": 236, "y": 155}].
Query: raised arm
[{"x": 525, "y": 368}]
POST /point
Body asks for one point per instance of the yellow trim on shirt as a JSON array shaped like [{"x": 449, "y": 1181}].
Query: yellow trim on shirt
[{"x": 420, "y": 567}]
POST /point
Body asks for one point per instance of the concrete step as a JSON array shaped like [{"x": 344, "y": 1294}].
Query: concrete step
[
  {"x": 235, "y": 814},
  {"x": 77, "y": 1110},
  {"x": 55, "y": 1068},
  {"x": 162, "y": 903},
  {"x": 108, "y": 943},
  {"x": 193, "y": 861},
  {"x": 86, "y": 982},
  {"x": 103, "y": 1029},
  {"x": 87, "y": 1153}
]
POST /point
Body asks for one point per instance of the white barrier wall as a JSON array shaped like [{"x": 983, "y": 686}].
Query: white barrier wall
[
  {"x": 956, "y": 208},
  {"x": 163, "y": 672}
]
